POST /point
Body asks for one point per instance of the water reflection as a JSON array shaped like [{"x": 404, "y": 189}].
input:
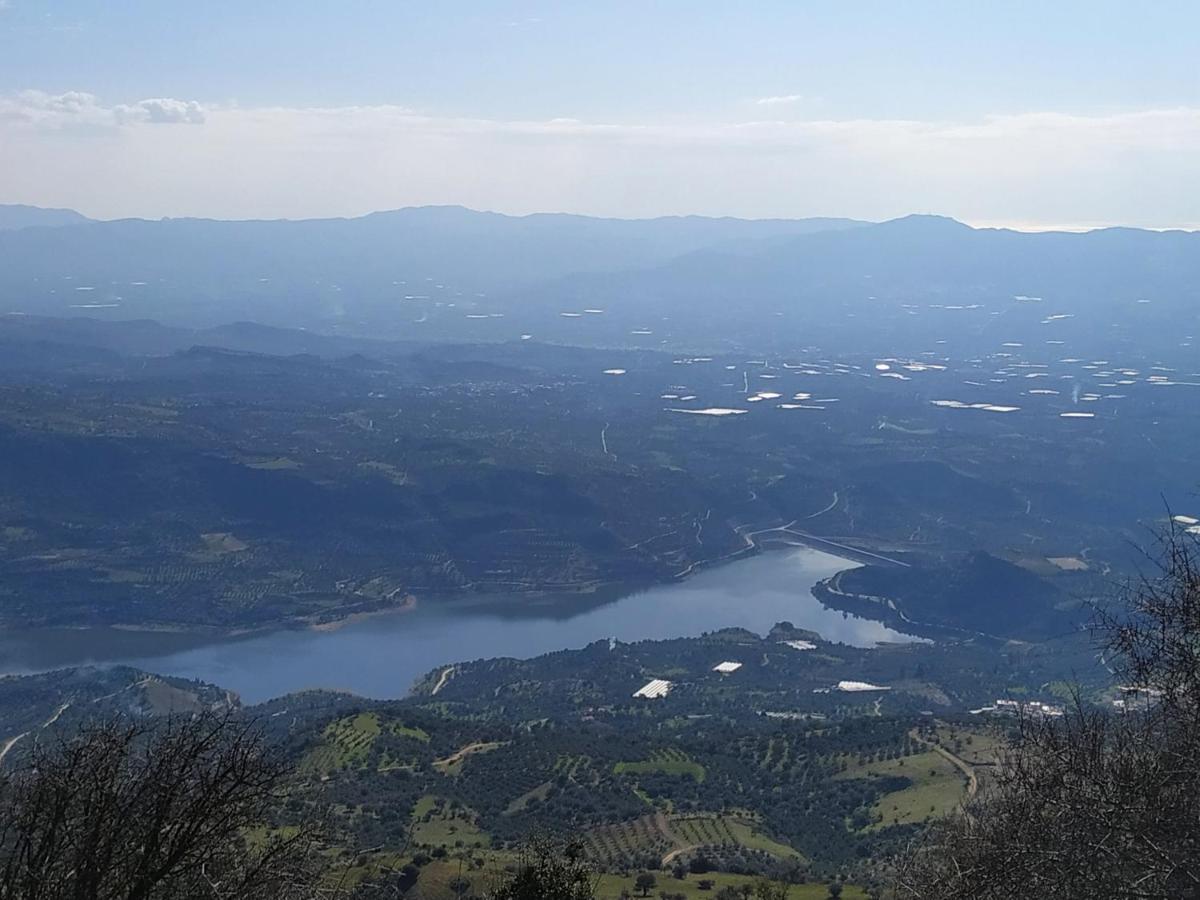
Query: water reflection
[{"x": 381, "y": 657}]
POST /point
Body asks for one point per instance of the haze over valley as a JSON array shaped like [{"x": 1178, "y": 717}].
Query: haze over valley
[
  {"x": 712, "y": 469},
  {"x": 355, "y": 454}
]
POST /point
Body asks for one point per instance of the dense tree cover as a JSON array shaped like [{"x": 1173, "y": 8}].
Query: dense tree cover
[
  {"x": 787, "y": 776},
  {"x": 1104, "y": 802},
  {"x": 597, "y": 682}
]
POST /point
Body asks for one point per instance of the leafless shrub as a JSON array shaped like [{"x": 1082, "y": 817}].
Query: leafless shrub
[
  {"x": 1103, "y": 802},
  {"x": 139, "y": 811}
]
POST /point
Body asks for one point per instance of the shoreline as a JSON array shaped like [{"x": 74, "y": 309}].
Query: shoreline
[
  {"x": 534, "y": 603},
  {"x": 140, "y": 649}
]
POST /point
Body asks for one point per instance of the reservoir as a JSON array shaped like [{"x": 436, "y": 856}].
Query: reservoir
[{"x": 381, "y": 656}]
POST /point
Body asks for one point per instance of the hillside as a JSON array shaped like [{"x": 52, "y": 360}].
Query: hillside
[
  {"x": 768, "y": 770},
  {"x": 359, "y": 275},
  {"x": 453, "y": 274},
  {"x": 223, "y": 487},
  {"x": 1006, "y": 600},
  {"x": 14, "y": 216},
  {"x": 919, "y": 279}
]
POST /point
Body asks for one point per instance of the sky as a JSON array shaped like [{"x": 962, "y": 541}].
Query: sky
[{"x": 1029, "y": 114}]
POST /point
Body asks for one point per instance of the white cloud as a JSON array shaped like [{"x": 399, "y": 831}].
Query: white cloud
[
  {"x": 78, "y": 109},
  {"x": 1135, "y": 167},
  {"x": 39, "y": 108},
  {"x": 161, "y": 111},
  {"x": 780, "y": 100}
]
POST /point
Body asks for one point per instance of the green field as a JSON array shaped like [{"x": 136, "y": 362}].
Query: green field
[
  {"x": 937, "y": 788},
  {"x": 664, "y": 762},
  {"x": 611, "y": 886},
  {"x": 701, "y": 830},
  {"x": 437, "y": 824},
  {"x": 483, "y": 868},
  {"x": 538, "y": 793},
  {"x": 745, "y": 834},
  {"x": 438, "y": 876},
  {"x": 346, "y": 744},
  {"x": 974, "y": 746},
  {"x": 611, "y": 845}
]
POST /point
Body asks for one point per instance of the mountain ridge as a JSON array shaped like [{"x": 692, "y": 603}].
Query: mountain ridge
[
  {"x": 452, "y": 274},
  {"x": 19, "y": 215}
]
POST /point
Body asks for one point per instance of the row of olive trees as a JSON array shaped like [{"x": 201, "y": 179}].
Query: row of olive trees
[{"x": 178, "y": 809}]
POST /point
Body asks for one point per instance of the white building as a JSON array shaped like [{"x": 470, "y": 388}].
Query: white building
[
  {"x": 1006, "y": 707},
  {"x": 858, "y": 687},
  {"x": 654, "y": 689},
  {"x": 800, "y": 645}
]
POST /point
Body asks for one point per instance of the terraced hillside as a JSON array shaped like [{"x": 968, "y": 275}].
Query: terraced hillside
[{"x": 767, "y": 771}]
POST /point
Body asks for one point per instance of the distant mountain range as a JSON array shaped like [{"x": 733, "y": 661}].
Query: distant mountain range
[
  {"x": 903, "y": 284},
  {"x": 476, "y": 250},
  {"x": 448, "y": 273},
  {"x": 13, "y": 216}
]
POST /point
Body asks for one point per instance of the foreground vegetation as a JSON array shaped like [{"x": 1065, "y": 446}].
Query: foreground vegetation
[{"x": 1100, "y": 803}]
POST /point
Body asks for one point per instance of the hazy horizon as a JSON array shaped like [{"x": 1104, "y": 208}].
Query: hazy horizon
[
  {"x": 1084, "y": 115},
  {"x": 754, "y": 443},
  {"x": 1026, "y": 227}
]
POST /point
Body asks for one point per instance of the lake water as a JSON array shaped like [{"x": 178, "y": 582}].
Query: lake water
[{"x": 382, "y": 656}]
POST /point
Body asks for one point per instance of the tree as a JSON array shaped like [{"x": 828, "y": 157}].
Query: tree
[
  {"x": 137, "y": 811},
  {"x": 548, "y": 871},
  {"x": 770, "y": 890},
  {"x": 645, "y": 882},
  {"x": 1101, "y": 802}
]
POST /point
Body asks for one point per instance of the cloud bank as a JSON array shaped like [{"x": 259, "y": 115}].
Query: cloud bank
[
  {"x": 161, "y": 111},
  {"x": 78, "y": 109},
  {"x": 1135, "y": 167}
]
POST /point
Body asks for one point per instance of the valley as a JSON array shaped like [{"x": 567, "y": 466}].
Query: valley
[
  {"x": 770, "y": 769},
  {"x": 225, "y": 491},
  {"x": 716, "y": 558}
]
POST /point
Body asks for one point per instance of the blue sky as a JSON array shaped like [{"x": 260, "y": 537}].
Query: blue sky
[{"x": 758, "y": 108}]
